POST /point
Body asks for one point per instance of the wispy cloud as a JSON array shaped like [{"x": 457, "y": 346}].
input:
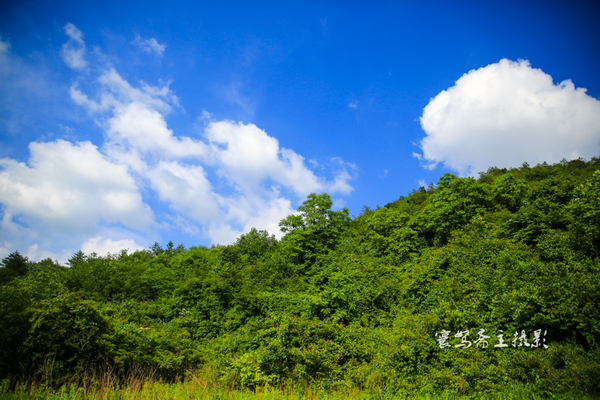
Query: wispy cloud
[
  {"x": 150, "y": 45},
  {"x": 73, "y": 51},
  {"x": 345, "y": 172},
  {"x": 4, "y": 46},
  {"x": 234, "y": 94},
  {"x": 353, "y": 105}
]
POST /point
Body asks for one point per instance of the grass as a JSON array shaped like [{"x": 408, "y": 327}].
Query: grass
[{"x": 206, "y": 387}]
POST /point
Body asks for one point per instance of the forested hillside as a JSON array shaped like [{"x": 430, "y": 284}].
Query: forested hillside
[{"x": 382, "y": 300}]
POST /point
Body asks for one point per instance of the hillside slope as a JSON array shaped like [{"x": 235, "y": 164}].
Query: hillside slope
[{"x": 468, "y": 285}]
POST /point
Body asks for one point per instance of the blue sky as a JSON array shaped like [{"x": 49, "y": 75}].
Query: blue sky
[{"x": 126, "y": 123}]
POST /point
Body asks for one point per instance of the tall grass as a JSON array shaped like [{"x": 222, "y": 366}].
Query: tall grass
[{"x": 205, "y": 386}]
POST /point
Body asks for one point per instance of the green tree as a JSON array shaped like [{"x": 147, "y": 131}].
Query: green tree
[
  {"x": 585, "y": 211},
  {"x": 387, "y": 235},
  {"x": 15, "y": 265},
  {"x": 509, "y": 192},
  {"x": 255, "y": 244},
  {"x": 14, "y": 324},
  {"x": 77, "y": 259},
  {"x": 16, "y": 262},
  {"x": 314, "y": 230},
  {"x": 452, "y": 205},
  {"x": 67, "y": 336}
]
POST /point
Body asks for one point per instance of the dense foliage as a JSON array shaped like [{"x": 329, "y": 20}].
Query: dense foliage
[{"x": 341, "y": 301}]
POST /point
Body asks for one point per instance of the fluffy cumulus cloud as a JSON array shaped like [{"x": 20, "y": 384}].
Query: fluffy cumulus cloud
[
  {"x": 66, "y": 192},
  {"x": 186, "y": 189},
  {"x": 71, "y": 187},
  {"x": 246, "y": 155},
  {"x": 217, "y": 185},
  {"x": 505, "y": 114}
]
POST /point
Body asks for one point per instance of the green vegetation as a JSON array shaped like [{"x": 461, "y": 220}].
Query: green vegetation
[{"x": 339, "y": 308}]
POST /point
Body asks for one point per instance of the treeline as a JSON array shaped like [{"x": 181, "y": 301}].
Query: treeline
[{"x": 382, "y": 300}]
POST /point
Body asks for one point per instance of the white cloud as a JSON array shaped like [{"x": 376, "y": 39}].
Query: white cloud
[
  {"x": 242, "y": 213},
  {"x": 102, "y": 246},
  {"x": 73, "y": 51},
  {"x": 186, "y": 189},
  {"x": 65, "y": 193},
  {"x": 353, "y": 105},
  {"x": 222, "y": 218},
  {"x": 230, "y": 178},
  {"x": 150, "y": 45},
  {"x": 246, "y": 155},
  {"x": 144, "y": 129},
  {"x": 246, "y": 159},
  {"x": 505, "y": 114},
  {"x": 205, "y": 117},
  {"x": 134, "y": 121},
  {"x": 4, "y": 46},
  {"x": 74, "y": 33},
  {"x": 34, "y": 253},
  {"x": 343, "y": 175},
  {"x": 116, "y": 92},
  {"x": 268, "y": 214},
  {"x": 71, "y": 188},
  {"x": 5, "y": 249}
]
